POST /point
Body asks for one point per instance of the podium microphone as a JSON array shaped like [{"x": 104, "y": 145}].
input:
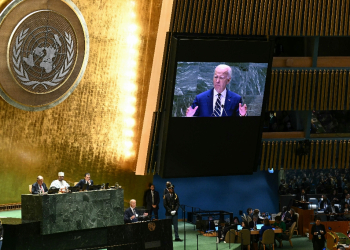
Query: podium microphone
[{"x": 222, "y": 106}]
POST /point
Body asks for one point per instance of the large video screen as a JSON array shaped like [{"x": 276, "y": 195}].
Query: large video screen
[
  {"x": 214, "y": 94},
  {"x": 200, "y": 82}
]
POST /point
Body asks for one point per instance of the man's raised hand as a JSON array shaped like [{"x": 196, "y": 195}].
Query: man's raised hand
[
  {"x": 190, "y": 111},
  {"x": 243, "y": 109}
]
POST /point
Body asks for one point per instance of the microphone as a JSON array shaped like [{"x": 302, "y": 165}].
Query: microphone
[{"x": 222, "y": 106}]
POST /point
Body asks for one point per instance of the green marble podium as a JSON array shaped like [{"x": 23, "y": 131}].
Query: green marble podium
[{"x": 60, "y": 213}]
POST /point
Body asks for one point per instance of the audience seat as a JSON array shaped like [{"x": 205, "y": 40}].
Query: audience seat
[
  {"x": 230, "y": 236},
  {"x": 296, "y": 226},
  {"x": 244, "y": 238},
  {"x": 291, "y": 229},
  {"x": 268, "y": 238}
]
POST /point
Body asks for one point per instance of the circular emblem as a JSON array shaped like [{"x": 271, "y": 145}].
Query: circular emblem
[
  {"x": 42, "y": 52},
  {"x": 151, "y": 226}
]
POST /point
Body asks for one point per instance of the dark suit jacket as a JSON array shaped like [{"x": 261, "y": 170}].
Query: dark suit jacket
[
  {"x": 35, "y": 188},
  {"x": 315, "y": 237},
  {"x": 204, "y": 101},
  {"x": 298, "y": 197},
  {"x": 328, "y": 210},
  {"x": 171, "y": 203},
  {"x": 251, "y": 223},
  {"x": 149, "y": 199},
  {"x": 82, "y": 182},
  {"x": 128, "y": 213}
]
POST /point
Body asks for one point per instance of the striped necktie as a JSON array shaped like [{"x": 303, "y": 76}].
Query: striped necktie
[{"x": 217, "y": 110}]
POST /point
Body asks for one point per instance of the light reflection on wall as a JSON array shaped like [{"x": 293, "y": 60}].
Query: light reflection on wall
[
  {"x": 96, "y": 129},
  {"x": 127, "y": 68}
]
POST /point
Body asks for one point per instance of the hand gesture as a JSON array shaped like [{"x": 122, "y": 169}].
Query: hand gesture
[
  {"x": 132, "y": 217},
  {"x": 145, "y": 214},
  {"x": 173, "y": 212},
  {"x": 242, "y": 109},
  {"x": 190, "y": 111}
]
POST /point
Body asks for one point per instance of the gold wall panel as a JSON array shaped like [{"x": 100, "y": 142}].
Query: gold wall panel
[
  {"x": 97, "y": 128},
  {"x": 264, "y": 17},
  {"x": 324, "y": 154}
]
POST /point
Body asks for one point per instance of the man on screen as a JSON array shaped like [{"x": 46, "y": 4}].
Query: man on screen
[{"x": 218, "y": 101}]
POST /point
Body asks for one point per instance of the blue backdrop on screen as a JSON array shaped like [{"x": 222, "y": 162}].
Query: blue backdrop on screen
[
  {"x": 228, "y": 193},
  {"x": 192, "y": 78}
]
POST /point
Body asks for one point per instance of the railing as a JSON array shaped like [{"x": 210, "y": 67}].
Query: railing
[{"x": 10, "y": 206}]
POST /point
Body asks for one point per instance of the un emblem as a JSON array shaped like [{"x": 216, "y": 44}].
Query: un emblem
[
  {"x": 41, "y": 56},
  {"x": 46, "y": 53},
  {"x": 151, "y": 226}
]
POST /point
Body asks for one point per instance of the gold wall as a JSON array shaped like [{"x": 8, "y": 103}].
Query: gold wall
[{"x": 97, "y": 128}]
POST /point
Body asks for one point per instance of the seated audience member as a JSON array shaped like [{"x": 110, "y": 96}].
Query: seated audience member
[
  {"x": 245, "y": 225},
  {"x": 235, "y": 223},
  {"x": 61, "y": 184},
  {"x": 86, "y": 181},
  {"x": 324, "y": 203},
  {"x": 291, "y": 218},
  {"x": 253, "y": 223},
  {"x": 39, "y": 185},
  {"x": 346, "y": 200},
  {"x": 345, "y": 193},
  {"x": 264, "y": 228},
  {"x": 257, "y": 212},
  {"x": 280, "y": 236},
  {"x": 284, "y": 213},
  {"x": 131, "y": 215},
  {"x": 334, "y": 197},
  {"x": 333, "y": 213},
  {"x": 345, "y": 211}
]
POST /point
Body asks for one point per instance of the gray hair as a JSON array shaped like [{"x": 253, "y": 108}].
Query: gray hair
[
  {"x": 39, "y": 177},
  {"x": 132, "y": 200},
  {"x": 229, "y": 70}
]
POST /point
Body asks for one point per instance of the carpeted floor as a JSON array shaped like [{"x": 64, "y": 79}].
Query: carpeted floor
[{"x": 204, "y": 243}]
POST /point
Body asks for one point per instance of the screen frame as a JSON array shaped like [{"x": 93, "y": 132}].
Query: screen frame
[{"x": 176, "y": 53}]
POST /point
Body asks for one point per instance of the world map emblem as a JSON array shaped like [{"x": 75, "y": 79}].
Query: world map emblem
[{"x": 42, "y": 52}]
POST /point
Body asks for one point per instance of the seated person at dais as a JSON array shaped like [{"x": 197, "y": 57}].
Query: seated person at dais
[
  {"x": 39, "y": 186},
  {"x": 131, "y": 215},
  {"x": 86, "y": 181},
  {"x": 60, "y": 183}
]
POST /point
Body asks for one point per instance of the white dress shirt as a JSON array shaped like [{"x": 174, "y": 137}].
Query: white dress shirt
[{"x": 222, "y": 99}]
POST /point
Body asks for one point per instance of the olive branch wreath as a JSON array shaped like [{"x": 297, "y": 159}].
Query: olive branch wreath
[{"x": 23, "y": 75}]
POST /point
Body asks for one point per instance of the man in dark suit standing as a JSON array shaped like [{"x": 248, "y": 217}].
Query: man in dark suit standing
[
  {"x": 218, "y": 101},
  {"x": 87, "y": 180},
  {"x": 131, "y": 215},
  {"x": 39, "y": 186},
  {"x": 152, "y": 201},
  {"x": 171, "y": 204}
]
